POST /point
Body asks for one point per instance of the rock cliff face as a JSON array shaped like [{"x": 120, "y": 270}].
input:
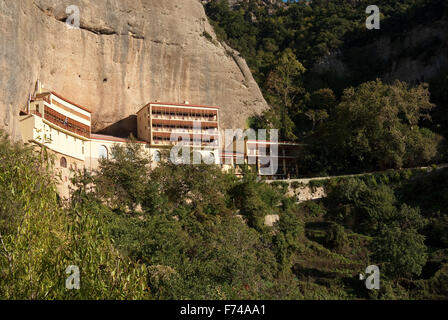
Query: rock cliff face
[{"x": 125, "y": 54}]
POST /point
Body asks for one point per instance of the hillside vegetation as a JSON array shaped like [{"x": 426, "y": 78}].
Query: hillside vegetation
[
  {"x": 192, "y": 232},
  {"x": 351, "y": 119}
]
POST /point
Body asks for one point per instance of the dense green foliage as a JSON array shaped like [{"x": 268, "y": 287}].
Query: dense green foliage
[
  {"x": 204, "y": 236},
  {"x": 311, "y": 30},
  {"x": 375, "y": 127},
  {"x": 39, "y": 239},
  {"x": 192, "y": 232},
  {"x": 349, "y": 121}
]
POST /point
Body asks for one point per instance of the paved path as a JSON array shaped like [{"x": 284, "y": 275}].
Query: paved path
[{"x": 307, "y": 180}]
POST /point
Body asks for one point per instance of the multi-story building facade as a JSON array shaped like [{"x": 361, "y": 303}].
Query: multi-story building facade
[
  {"x": 57, "y": 123},
  {"x": 64, "y": 129},
  {"x": 163, "y": 125}
]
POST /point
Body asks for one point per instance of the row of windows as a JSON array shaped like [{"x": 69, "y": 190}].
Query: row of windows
[
  {"x": 184, "y": 114},
  {"x": 170, "y": 126},
  {"x": 103, "y": 153},
  {"x": 179, "y": 139},
  {"x": 66, "y": 123}
]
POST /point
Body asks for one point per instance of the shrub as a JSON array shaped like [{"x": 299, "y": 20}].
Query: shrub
[
  {"x": 39, "y": 239},
  {"x": 402, "y": 252}
]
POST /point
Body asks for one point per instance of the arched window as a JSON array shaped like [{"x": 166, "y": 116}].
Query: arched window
[
  {"x": 211, "y": 158},
  {"x": 156, "y": 156},
  {"x": 103, "y": 153},
  {"x": 63, "y": 163}
]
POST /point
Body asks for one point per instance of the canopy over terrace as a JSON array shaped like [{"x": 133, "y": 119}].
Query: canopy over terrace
[
  {"x": 171, "y": 104},
  {"x": 189, "y": 110}
]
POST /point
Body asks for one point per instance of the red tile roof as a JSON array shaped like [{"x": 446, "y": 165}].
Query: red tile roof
[{"x": 179, "y": 104}]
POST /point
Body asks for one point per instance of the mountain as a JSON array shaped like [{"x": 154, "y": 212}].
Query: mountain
[{"x": 125, "y": 54}]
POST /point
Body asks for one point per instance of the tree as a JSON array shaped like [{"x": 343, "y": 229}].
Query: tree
[
  {"x": 323, "y": 99},
  {"x": 402, "y": 252},
  {"x": 248, "y": 198},
  {"x": 284, "y": 83},
  {"x": 316, "y": 116},
  {"x": 288, "y": 238},
  {"x": 192, "y": 184},
  {"x": 376, "y": 127},
  {"x": 39, "y": 238},
  {"x": 121, "y": 180},
  {"x": 192, "y": 258},
  {"x": 285, "y": 80},
  {"x": 368, "y": 209}
]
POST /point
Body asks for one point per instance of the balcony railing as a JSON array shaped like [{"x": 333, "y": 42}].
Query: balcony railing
[
  {"x": 171, "y": 143},
  {"x": 37, "y": 113},
  {"x": 178, "y": 130},
  {"x": 186, "y": 118},
  {"x": 64, "y": 124},
  {"x": 67, "y": 126}
]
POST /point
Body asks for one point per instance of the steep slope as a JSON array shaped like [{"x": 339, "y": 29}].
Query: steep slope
[
  {"x": 125, "y": 54},
  {"x": 411, "y": 48}
]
